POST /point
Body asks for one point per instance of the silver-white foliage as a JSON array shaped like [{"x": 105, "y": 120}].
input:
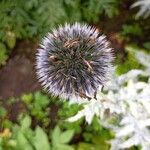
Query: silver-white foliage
[
  {"x": 144, "y": 8},
  {"x": 136, "y": 118},
  {"x": 145, "y": 60},
  {"x": 128, "y": 97}
]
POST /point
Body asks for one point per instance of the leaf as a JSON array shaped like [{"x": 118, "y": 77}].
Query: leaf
[
  {"x": 133, "y": 29},
  {"x": 85, "y": 146},
  {"x": 100, "y": 141},
  {"x": 147, "y": 45},
  {"x": 27, "y": 98},
  {"x": 10, "y": 39},
  {"x": 66, "y": 136},
  {"x": 56, "y": 135},
  {"x": 41, "y": 100},
  {"x": 64, "y": 147},
  {"x": 22, "y": 142},
  {"x": 3, "y": 112},
  {"x": 41, "y": 140},
  {"x": 3, "y": 54},
  {"x": 59, "y": 139},
  {"x": 26, "y": 122}
]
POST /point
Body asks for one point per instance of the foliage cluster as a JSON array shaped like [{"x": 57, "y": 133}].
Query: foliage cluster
[
  {"x": 34, "y": 124},
  {"x": 34, "y": 18}
]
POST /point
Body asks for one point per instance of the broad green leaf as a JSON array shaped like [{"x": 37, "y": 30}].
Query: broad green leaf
[
  {"x": 66, "y": 136},
  {"x": 12, "y": 143},
  {"x": 22, "y": 142},
  {"x": 56, "y": 136},
  {"x": 26, "y": 122},
  {"x": 41, "y": 140}
]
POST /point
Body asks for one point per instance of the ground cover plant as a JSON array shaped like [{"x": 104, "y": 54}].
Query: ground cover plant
[{"x": 115, "y": 117}]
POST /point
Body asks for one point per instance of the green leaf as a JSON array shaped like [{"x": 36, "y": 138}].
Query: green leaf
[
  {"x": 27, "y": 98},
  {"x": 133, "y": 29},
  {"x": 22, "y": 142},
  {"x": 59, "y": 139},
  {"x": 56, "y": 135},
  {"x": 41, "y": 100},
  {"x": 147, "y": 45},
  {"x": 41, "y": 140},
  {"x": 12, "y": 143},
  {"x": 26, "y": 122},
  {"x": 66, "y": 136},
  {"x": 10, "y": 39},
  {"x": 3, "y": 54},
  {"x": 64, "y": 147},
  {"x": 3, "y": 112},
  {"x": 7, "y": 123},
  {"x": 85, "y": 146}
]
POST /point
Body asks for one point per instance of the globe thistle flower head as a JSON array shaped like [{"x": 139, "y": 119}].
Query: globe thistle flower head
[{"x": 73, "y": 61}]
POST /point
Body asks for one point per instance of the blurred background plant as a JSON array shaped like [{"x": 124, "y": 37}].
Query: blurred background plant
[
  {"x": 144, "y": 8},
  {"x": 29, "y": 115}
]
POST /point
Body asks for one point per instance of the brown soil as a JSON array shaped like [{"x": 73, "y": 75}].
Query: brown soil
[{"x": 18, "y": 75}]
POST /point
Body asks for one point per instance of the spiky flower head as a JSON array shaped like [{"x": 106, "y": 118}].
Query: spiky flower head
[{"x": 73, "y": 61}]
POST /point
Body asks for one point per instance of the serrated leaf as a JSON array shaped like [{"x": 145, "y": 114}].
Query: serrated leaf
[
  {"x": 41, "y": 140},
  {"x": 66, "y": 136}
]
